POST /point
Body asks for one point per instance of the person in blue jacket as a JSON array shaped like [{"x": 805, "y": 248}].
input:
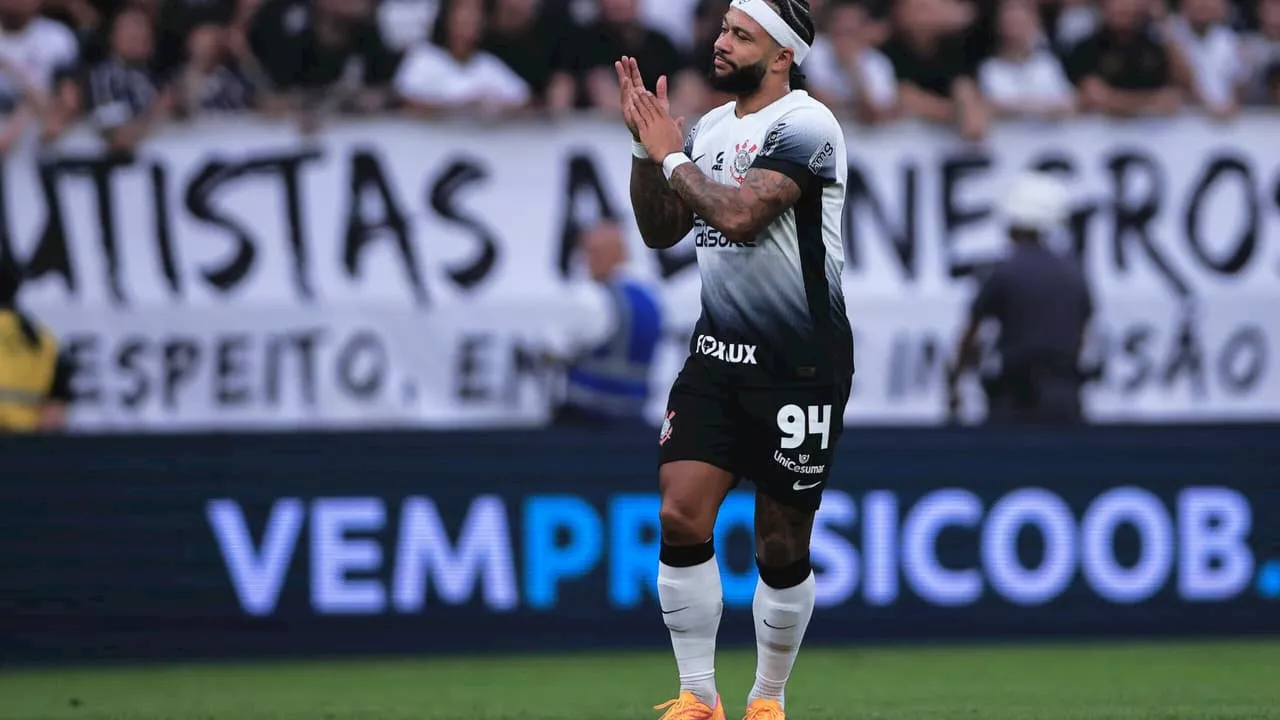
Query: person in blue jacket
[{"x": 607, "y": 374}]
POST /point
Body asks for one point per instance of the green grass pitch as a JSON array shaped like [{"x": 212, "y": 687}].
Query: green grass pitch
[{"x": 1151, "y": 681}]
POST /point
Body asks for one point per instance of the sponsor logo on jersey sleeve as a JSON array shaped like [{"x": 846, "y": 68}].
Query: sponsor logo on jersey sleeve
[
  {"x": 820, "y": 157},
  {"x": 774, "y": 139}
]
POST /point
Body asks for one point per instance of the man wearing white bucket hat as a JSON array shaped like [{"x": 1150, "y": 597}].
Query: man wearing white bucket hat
[
  {"x": 761, "y": 182},
  {"x": 1043, "y": 306}
]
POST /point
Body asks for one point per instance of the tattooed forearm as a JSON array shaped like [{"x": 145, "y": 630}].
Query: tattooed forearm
[
  {"x": 738, "y": 212},
  {"x": 661, "y": 215},
  {"x": 718, "y": 204}
]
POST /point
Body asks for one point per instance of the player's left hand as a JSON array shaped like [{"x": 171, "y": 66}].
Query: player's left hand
[{"x": 660, "y": 134}]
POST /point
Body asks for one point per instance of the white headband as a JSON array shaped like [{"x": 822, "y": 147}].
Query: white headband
[{"x": 773, "y": 24}]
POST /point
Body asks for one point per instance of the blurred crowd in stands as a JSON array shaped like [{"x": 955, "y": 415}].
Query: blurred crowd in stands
[{"x": 126, "y": 66}]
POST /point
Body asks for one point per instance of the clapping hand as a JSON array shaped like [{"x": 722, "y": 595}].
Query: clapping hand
[
  {"x": 660, "y": 134},
  {"x": 630, "y": 84}
]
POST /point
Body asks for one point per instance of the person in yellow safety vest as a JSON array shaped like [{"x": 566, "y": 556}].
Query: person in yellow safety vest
[{"x": 34, "y": 376}]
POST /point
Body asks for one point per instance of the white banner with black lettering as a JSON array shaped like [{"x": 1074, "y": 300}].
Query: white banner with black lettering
[{"x": 394, "y": 273}]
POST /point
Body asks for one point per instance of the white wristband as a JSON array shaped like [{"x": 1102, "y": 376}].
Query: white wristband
[
  {"x": 638, "y": 151},
  {"x": 673, "y": 161}
]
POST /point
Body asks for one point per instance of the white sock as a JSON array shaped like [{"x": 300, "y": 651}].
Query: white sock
[
  {"x": 692, "y": 601},
  {"x": 781, "y": 619}
]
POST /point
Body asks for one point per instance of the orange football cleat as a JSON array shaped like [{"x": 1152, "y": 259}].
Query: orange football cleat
[{"x": 689, "y": 707}]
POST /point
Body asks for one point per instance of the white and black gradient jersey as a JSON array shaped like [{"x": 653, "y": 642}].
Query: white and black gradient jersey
[{"x": 773, "y": 310}]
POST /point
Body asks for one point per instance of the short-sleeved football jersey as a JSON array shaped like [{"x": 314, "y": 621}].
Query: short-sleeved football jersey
[{"x": 773, "y": 310}]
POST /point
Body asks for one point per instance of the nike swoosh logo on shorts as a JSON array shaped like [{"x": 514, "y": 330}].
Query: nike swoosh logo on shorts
[{"x": 798, "y": 487}]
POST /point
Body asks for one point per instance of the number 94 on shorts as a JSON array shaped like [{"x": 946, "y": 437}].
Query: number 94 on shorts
[{"x": 781, "y": 439}]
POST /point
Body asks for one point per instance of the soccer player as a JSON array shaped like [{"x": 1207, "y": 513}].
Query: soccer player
[{"x": 761, "y": 182}]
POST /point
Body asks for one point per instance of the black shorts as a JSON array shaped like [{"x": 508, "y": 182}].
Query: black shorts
[{"x": 782, "y": 439}]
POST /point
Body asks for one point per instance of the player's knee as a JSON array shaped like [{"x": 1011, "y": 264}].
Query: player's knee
[
  {"x": 691, "y": 496},
  {"x": 782, "y": 556},
  {"x": 777, "y": 550},
  {"x": 683, "y": 522},
  {"x": 783, "y": 533},
  {"x": 781, "y": 546}
]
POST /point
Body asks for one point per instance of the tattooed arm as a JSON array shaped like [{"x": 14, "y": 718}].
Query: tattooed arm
[
  {"x": 663, "y": 218},
  {"x": 740, "y": 213},
  {"x": 798, "y": 150}
]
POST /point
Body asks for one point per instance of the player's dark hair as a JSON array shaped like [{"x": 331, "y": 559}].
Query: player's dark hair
[
  {"x": 795, "y": 80},
  {"x": 798, "y": 17}
]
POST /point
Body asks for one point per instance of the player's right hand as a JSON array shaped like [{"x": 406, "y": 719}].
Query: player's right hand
[
  {"x": 631, "y": 86},
  {"x": 625, "y": 88}
]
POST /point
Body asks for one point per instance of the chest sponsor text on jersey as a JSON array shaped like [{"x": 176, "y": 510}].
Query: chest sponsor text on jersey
[
  {"x": 708, "y": 237},
  {"x": 733, "y": 353}
]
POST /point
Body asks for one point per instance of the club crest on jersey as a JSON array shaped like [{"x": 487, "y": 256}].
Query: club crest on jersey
[{"x": 744, "y": 153}]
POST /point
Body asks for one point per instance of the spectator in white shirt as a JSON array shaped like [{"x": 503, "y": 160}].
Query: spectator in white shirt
[
  {"x": 1023, "y": 78},
  {"x": 1212, "y": 51},
  {"x": 405, "y": 23},
  {"x": 452, "y": 75},
  {"x": 845, "y": 72},
  {"x": 1261, "y": 51},
  {"x": 39, "y": 58},
  {"x": 673, "y": 18}
]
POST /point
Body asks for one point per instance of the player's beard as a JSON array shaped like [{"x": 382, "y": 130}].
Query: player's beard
[{"x": 739, "y": 80}]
